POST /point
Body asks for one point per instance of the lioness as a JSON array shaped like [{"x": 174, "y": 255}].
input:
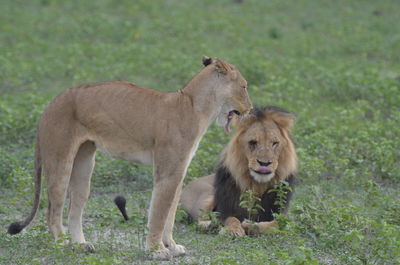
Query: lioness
[
  {"x": 137, "y": 124},
  {"x": 259, "y": 155}
]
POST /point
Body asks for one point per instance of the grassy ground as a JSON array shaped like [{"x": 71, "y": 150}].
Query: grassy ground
[{"x": 336, "y": 64}]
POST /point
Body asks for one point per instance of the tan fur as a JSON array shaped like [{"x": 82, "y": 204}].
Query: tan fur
[
  {"x": 199, "y": 194},
  {"x": 241, "y": 160},
  {"x": 257, "y": 228},
  {"x": 137, "y": 124},
  {"x": 233, "y": 227}
]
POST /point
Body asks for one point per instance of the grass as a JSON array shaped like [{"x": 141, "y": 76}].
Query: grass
[{"x": 336, "y": 64}]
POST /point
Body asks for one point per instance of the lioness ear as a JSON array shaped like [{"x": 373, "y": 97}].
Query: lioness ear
[
  {"x": 222, "y": 67},
  {"x": 206, "y": 60}
]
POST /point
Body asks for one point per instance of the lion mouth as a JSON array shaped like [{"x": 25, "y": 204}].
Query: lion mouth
[
  {"x": 262, "y": 174},
  {"x": 263, "y": 170},
  {"x": 229, "y": 119}
]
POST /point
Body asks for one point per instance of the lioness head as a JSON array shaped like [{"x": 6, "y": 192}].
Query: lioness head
[
  {"x": 231, "y": 91},
  {"x": 261, "y": 149}
]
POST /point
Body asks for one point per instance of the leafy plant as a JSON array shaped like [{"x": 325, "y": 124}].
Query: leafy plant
[
  {"x": 211, "y": 221},
  {"x": 250, "y": 201},
  {"x": 281, "y": 190}
]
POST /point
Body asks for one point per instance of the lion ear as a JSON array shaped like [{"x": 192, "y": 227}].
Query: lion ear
[
  {"x": 206, "y": 60},
  {"x": 285, "y": 120},
  {"x": 222, "y": 67}
]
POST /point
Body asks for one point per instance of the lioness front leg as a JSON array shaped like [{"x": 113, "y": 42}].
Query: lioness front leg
[
  {"x": 169, "y": 242},
  {"x": 168, "y": 179}
]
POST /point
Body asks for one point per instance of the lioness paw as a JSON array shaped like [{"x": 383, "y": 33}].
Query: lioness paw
[
  {"x": 177, "y": 250},
  {"x": 89, "y": 247},
  {"x": 161, "y": 254}
]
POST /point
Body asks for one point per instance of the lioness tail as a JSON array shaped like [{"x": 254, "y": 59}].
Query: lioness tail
[
  {"x": 17, "y": 227},
  {"x": 121, "y": 203}
]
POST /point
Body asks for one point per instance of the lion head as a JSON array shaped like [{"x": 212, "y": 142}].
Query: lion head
[{"x": 261, "y": 152}]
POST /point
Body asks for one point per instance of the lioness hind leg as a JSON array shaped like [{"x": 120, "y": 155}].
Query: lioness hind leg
[
  {"x": 58, "y": 175},
  {"x": 79, "y": 189}
]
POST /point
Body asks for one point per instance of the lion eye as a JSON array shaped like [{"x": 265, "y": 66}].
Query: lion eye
[
  {"x": 275, "y": 143},
  {"x": 253, "y": 143}
]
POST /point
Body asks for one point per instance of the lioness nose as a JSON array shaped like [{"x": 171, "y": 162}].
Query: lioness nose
[{"x": 264, "y": 164}]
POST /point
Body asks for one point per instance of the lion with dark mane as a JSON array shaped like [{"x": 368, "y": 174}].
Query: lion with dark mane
[{"x": 260, "y": 155}]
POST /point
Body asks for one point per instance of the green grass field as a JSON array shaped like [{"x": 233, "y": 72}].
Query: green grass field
[{"x": 336, "y": 64}]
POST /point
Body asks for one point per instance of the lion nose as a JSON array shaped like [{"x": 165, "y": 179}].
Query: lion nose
[{"x": 264, "y": 164}]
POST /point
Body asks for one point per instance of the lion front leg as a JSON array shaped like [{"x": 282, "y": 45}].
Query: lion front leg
[
  {"x": 233, "y": 226},
  {"x": 258, "y": 228}
]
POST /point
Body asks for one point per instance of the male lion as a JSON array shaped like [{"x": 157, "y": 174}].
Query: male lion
[
  {"x": 137, "y": 124},
  {"x": 259, "y": 155}
]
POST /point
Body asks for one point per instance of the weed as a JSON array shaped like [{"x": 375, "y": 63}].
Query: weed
[
  {"x": 281, "y": 190},
  {"x": 250, "y": 201},
  {"x": 212, "y": 220}
]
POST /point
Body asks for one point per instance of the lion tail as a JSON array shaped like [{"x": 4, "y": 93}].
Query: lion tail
[{"x": 17, "y": 227}]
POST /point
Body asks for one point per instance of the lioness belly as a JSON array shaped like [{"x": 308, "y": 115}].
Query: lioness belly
[{"x": 131, "y": 153}]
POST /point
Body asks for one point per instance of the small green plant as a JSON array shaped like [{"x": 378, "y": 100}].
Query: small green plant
[
  {"x": 100, "y": 261},
  {"x": 138, "y": 218},
  {"x": 63, "y": 239},
  {"x": 281, "y": 189},
  {"x": 299, "y": 256},
  {"x": 274, "y": 33},
  {"x": 224, "y": 258},
  {"x": 282, "y": 220},
  {"x": 209, "y": 222},
  {"x": 250, "y": 200}
]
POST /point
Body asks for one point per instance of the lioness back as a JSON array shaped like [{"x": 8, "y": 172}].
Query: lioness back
[{"x": 113, "y": 113}]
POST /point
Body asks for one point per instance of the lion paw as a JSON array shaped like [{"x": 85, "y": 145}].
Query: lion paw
[
  {"x": 251, "y": 228},
  {"x": 204, "y": 224},
  {"x": 233, "y": 231}
]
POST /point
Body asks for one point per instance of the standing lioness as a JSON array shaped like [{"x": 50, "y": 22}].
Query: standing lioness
[{"x": 137, "y": 124}]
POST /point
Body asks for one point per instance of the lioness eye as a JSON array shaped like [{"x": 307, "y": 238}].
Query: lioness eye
[
  {"x": 252, "y": 143},
  {"x": 275, "y": 143}
]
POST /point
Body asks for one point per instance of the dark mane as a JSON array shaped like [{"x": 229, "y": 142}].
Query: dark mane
[
  {"x": 259, "y": 112},
  {"x": 227, "y": 198}
]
